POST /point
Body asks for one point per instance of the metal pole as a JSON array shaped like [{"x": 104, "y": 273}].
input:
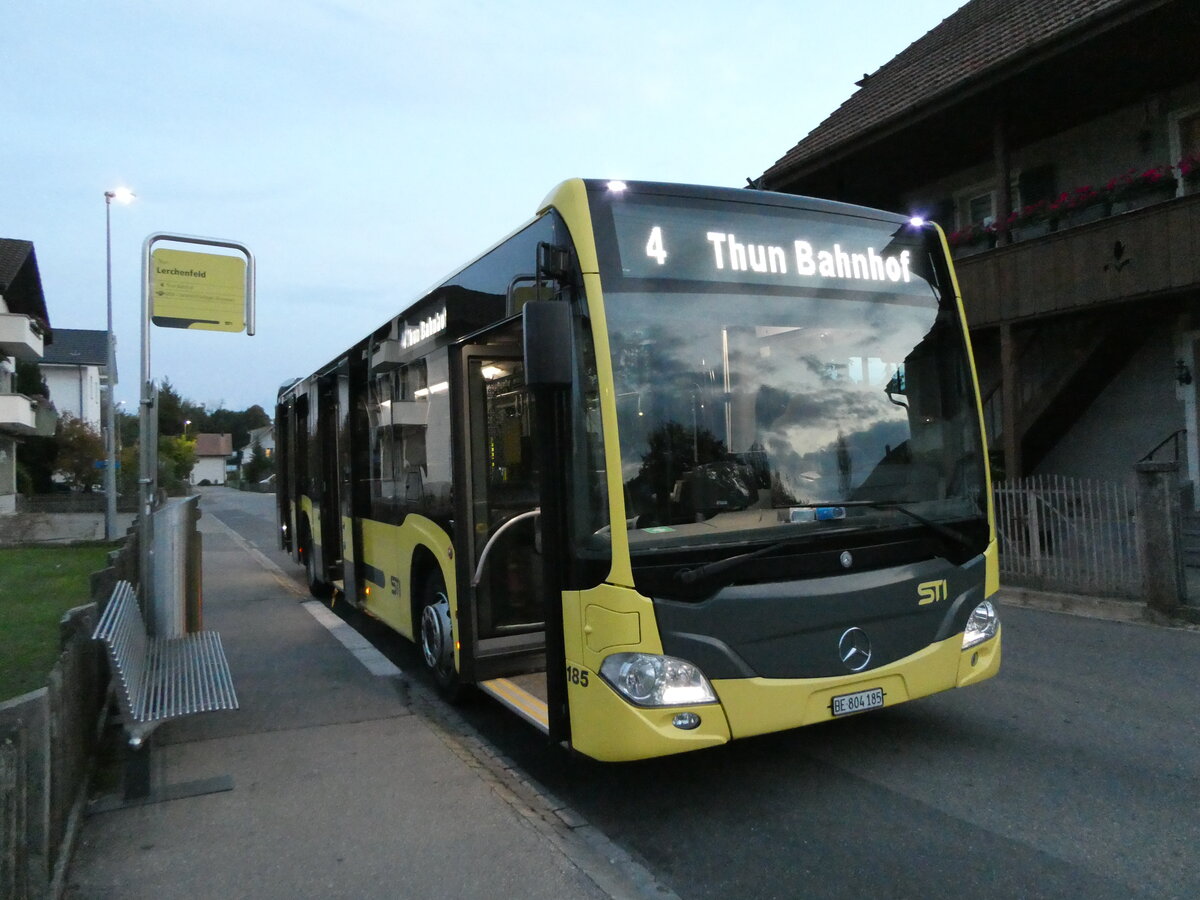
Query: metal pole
[
  {"x": 148, "y": 459},
  {"x": 110, "y": 414},
  {"x": 148, "y": 455}
]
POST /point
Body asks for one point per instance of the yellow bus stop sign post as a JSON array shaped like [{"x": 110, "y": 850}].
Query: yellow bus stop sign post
[
  {"x": 198, "y": 290},
  {"x": 182, "y": 289}
]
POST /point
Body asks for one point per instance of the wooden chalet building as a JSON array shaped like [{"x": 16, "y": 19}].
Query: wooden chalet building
[{"x": 1058, "y": 144}]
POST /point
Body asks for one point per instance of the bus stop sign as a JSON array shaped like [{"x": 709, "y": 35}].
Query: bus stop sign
[{"x": 198, "y": 290}]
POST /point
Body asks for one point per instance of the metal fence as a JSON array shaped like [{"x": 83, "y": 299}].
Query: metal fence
[
  {"x": 48, "y": 739},
  {"x": 1068, "y": 534}
]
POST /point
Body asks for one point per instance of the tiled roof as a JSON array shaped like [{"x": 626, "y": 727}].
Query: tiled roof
[
  {"x": 20, "y": 280},
  {"x": 968, "y": 47},
  {"x": 77, "y": 347},
  {"x": 13, "y": 254},
  {"x": 214, "y": 444}
]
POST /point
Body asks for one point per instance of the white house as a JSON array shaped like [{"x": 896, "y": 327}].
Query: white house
[
  {"x": 23, "y": 324},
  {"x": 212, "y": 451},
  {"x": 75, "y": 369},
  {"x": 265, "y": 438}
]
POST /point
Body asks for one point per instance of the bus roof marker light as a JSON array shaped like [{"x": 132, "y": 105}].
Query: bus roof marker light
[{"x": 617, "y": 186}]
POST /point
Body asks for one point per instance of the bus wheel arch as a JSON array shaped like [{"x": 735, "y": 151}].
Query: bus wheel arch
[{"x": 432, "y": 624}]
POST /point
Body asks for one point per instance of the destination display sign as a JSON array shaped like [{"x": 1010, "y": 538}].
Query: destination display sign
[
  {"x": 198, "y": 290},
  {"x": 743, "y": 244}
]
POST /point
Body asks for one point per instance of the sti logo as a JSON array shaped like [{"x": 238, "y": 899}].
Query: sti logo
[{"x": 931, "y": 592}]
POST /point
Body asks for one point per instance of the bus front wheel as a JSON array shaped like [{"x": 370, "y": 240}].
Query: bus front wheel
[{"x": 437, "y": 637}]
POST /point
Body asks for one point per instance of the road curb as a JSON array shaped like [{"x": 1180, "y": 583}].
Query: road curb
[
  {"x": 1107, "y": 608},
  {"x": 613, "y": 870}
]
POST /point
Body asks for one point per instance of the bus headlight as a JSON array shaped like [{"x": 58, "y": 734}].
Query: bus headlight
[
  {"x": 647, "y": 679},
  {"x": 983, "y": 624}
]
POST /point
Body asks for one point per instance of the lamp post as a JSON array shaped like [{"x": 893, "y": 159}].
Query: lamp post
[{"x": 121, "y": 195}]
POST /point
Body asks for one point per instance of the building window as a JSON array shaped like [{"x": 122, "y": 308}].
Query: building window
[
  {"x": 980, "y": 209},
  {"x": 1185, "y": 149},
  {"x": 1036, "y": 185}
]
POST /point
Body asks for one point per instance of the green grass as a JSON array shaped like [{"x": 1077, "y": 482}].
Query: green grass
[{"x": 38, "y": 585}]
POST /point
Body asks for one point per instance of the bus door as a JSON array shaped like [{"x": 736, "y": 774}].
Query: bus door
[
  {"x": 326, "y": 489},
  {"x": 503, "y": 620},
  {"x": 285, "y": 447}
]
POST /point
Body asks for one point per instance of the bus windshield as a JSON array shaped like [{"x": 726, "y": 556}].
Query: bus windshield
[{"x": 749, "y": 411}]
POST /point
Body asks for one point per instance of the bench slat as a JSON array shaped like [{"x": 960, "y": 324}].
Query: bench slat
[{"x": 161, "y": 678}]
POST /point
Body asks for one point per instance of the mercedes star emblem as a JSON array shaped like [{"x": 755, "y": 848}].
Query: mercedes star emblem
[{"x": 855, "y": 649}]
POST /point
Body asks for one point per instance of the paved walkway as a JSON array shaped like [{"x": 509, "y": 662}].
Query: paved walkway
[{"x": 346, "y": 784}]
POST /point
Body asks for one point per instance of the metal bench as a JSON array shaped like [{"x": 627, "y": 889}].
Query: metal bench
[{"x": 157, "y": 679}]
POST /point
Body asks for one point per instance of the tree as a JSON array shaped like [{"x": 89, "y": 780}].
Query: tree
[
  {"x": 259, "y": 466},
  {"x": 176, "y": 457},
  {"x": 170, "y": 410},
  {"x": 238, "y": 424},
  {"x": 176, "y": 440},
  {"x": 129, "y": 426},
  {"x": 127, "y": 473},
  {"x": 79, "y": 448}
]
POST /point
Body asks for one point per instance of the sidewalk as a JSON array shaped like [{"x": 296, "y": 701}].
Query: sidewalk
[
  {"x": 1108, "y": 608},
  {"x": 343, "y": 785}
]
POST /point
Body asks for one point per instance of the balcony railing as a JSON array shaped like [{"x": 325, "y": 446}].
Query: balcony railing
[
  {"x": 18, "y": 414},
  {"x": 1150, "y": 251},
  {"x": 20, "y": 337}
]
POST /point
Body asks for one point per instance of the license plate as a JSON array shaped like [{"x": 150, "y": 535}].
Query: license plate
[{"x": 859, "y": 701}]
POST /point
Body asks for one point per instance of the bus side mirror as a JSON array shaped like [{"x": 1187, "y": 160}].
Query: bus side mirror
[{"x": 547, "y": 325}]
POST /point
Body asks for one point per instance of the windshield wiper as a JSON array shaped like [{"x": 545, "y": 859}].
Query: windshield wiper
[
  {"x": 946, "y": 531},
  {"x": 690, "y": 576}
]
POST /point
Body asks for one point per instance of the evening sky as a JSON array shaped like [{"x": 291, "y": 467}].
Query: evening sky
[{"x": 365, "y": 150}]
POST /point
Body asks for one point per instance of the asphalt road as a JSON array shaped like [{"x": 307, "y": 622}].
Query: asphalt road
[{"x": 1074, "y": 773}]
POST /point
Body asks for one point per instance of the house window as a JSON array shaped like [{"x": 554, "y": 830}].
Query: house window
[
  {"x": 981, "y": 209},
  {"x": 1185, "y": 149},
  {"x": 1189, "y": 134},
  {"x": 1036, "y": 185}
]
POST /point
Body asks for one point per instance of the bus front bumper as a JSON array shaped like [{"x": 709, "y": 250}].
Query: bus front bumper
[{"x": 605, "y": 727}]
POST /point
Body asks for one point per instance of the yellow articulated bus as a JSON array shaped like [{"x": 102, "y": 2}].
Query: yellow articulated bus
[{"x": 667, "y": 467}]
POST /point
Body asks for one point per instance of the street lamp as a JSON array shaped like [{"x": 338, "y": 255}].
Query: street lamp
[
  {"x": 121, "y": 195},
  {"x": 186, "y": 423}
]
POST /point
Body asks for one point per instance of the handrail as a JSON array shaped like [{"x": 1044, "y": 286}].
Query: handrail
[
  {"x": 487, "y": 548},
  {"x": 1173, "y": 436}
]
